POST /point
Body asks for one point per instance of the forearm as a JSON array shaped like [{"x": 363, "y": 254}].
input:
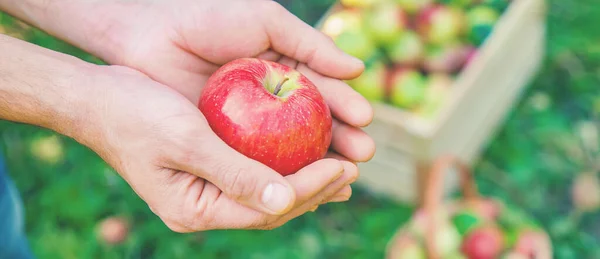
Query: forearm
[
  {"x": 39, "y": 86},
  {"x": 83, "y": 23}
]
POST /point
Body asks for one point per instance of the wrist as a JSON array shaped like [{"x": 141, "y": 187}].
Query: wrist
[{"x": 39, "y": 87}]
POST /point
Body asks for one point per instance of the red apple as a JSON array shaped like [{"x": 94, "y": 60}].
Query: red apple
[
  {"x": 385, "y": 22},
  {"x": 439, "y": 24},
  {"x": 113, "y": 230},
  {"x": 407, "y": 49},
  {"x": 447, "y": 58},
  {"x": 406, "y": 87},
  {"x": 486, "y": 242},
  {"x": 268, "y": 112},
  {"x": 533, "y": 244}
]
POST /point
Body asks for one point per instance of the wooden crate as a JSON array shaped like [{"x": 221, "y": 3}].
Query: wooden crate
[{"x": 482, "y": 95}]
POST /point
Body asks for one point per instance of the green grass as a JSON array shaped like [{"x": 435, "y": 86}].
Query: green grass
[{"x": 530, "y": 164}]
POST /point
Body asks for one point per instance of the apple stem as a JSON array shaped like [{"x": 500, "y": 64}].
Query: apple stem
[{"x": 278, "y": 88}]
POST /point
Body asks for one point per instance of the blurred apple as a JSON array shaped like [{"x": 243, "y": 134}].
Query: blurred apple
[
  {"x": 341, "y": 21},
  {"x": 414, "y": 6},
  {"x": 113, "y": 230},
  {"x": 585, "y": 192},
  {"x": 406, "y": 87},
  {"x": 439, "y": 24},
  {"x": 385, "y": 22},
  {"x": 447, "y": 239},
  {"x": 447, "y": 58},
  {"x": 533, "y": 244},
  {"x": 356, "y": 43},
  {"x": 407, "y": 49},
  {"x": 483, "y": 243},
  {"x": 480, "y": 23},
  {"x": 514, "y": 255},
  {"x": 406, "y": 246},
  {"x": 438, "y": 88},
  {"x": 358, "y": 3},
  {"x": 48, "y": 149},
  {"x": 371, "y": 84}
]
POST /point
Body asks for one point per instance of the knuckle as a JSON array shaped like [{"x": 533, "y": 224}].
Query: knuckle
[
  {"x": 237, "y": 183},
  {"x": 272, "y": 7}
]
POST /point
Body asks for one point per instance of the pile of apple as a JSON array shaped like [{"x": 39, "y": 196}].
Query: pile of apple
[
  {"x": 485, "y": 230},
  {"x": 412, "y": 49}
]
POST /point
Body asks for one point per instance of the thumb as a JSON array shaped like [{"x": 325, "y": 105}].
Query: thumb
[
  {"x": 292, "y": 37},
  {"x": 242, "y": 179}
]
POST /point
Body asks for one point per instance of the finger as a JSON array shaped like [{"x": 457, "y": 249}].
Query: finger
[
  {"x": 351, "y": 142},
  {"x": 350, "y": 175},
  {"x": 314, "y": 178},
  {"x": 292, "y": 37},
  {"x": 288, "y": 62},
  {"x": 343, "y": 195},
  {"x": 242, "y": 179},
  {"x": 346, "y": 104},
  {"x": 224, "y": 213},
  {"x": 269, "y": 55}
]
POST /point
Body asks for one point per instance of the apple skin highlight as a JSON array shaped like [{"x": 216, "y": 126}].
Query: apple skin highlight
[{"x": 286, "y": 132}]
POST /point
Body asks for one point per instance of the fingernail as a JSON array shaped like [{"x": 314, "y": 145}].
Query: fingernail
[
  {"x": 340, "y": 198},
  {"x": 276, "y": 197}
]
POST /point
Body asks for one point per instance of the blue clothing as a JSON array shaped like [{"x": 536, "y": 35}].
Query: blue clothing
[{"x": 13, "y": 242}]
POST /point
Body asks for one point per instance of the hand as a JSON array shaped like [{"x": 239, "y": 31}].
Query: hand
[
  {"x": 161, "y": 145},
  {"x": 180, "y": 43}
]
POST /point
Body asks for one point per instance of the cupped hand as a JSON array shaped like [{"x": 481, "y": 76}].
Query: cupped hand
[
  {"x": 180, "y": 43},
  {"x": 161, "y": 145}
]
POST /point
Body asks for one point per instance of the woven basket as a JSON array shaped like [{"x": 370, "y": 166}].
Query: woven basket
[{"x": 521, "y": 236}]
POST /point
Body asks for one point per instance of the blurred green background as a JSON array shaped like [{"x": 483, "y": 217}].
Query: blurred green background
[{"x": 531, "y": 163}]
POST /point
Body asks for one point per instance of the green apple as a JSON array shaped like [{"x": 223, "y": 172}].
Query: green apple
[
  {"x": 438, "y": 88},
  {"x": 407, "y": 87},
  {"x": 406, "y": 246},
  {"x": 407, "y": 49},
  {"x": 480, "y": 23},
  {"x": 371, "y": 83},
  {"x": 385, "y": 22},
  {"x": 439, "y": 24},
  {"x": 447, "y": 240},
  {"x": 356, "y": 43},
  {"x": 341, "y": 21}
]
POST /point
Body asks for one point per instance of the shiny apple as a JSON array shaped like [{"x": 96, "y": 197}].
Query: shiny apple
[
  {"x": 269, "y": 112},
  {"x": 439, "y": 24}
]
